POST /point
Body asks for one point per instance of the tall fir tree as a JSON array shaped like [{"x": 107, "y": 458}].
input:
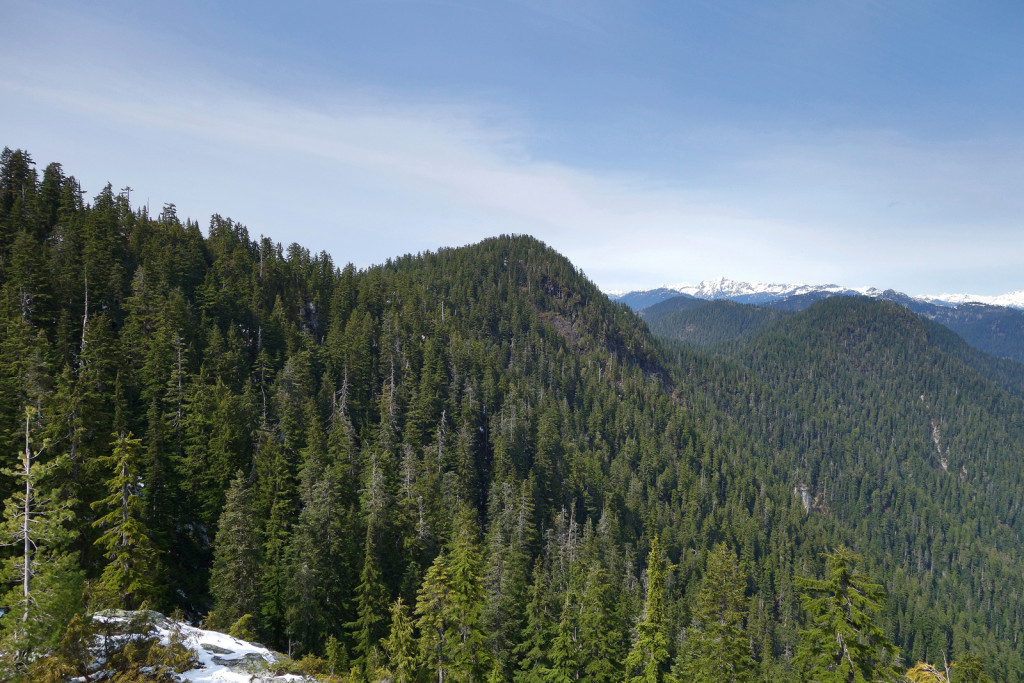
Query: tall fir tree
[
  {"x": 322, "y": 555},
  {"x": 127, "y": 580},
  {"x": 371, "y": 610},
  {"x": 646, "y": 660},
  {"x": 433, "y": 620},
  {"x": 565, "y": 653},
  {"x": 600, "y": 628},
  {"x": 237, "y": 558},
  {"x": 844, "y": 642},
  {"x": 531, "y": 654},
  {"x": 717, "y": 647},
  {"x": 507, "y": 568},
  {"x": 471, "y": 659},
  {"x": 400, "y": 648}
]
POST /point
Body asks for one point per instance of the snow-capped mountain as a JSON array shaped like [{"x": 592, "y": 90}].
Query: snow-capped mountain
[
  {"x": 993, "y": 324},
  {"x": 765, "y": 292},
  {"x": 1008, "y": 300},
  {"x": 759, "y": 292}
]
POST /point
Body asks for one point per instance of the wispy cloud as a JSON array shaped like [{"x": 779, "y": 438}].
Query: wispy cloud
[{"x": 367, "y": 175}]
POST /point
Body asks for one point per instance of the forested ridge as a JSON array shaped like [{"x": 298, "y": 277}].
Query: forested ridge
[
  {"x": 471, "y": 463},
  {"x": 707, "y": 323},
  {"x": 994, "y": 330}
]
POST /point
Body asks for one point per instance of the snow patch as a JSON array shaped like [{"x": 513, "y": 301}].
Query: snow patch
[{"x": 222, "y": 658}]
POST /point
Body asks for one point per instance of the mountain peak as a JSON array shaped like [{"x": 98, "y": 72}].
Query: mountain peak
[
  {"x": 1009, "y": 300},
  {"x": 756, "y": 292}
]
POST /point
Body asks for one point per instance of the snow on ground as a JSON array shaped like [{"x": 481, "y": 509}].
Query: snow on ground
[{"x": 222, "y": 658}]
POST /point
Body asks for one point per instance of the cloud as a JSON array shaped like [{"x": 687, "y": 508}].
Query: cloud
[{"x": 368, "y": 174}]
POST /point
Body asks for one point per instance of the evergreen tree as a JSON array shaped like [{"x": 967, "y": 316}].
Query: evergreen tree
[
  {"x": 843, "y": 642},
  {"x": 371, "y": 607},
  {"x": 434, "y": 614},
  {"x": 645, "y": 662},
  {"x": 600, "y": 629},
  {"x": 449, "y": 606},
  {"x": 507, "y": 571},
  {"x": 337, "y": 656},
  {"x": 280, "y": 491},
  {"x": 127, "y": 579},
  {"x": 532, "y": 651},
  {"x": 47, "y": 582},
  {"x": 322, "y": 554},
  {"x": 470, "y": 656},
  {"x": 969, "y": 669},
  {"x": 717, "y": 647},
  {"x": 237, "y": 558},
  {"x": 566, "y": 657},
  {"x": 400, "y": 647}
]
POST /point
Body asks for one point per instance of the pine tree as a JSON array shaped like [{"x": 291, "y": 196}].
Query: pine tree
[
  {"x": 127, "y": 579},
  {"x": 507, "y": 572},
  {"x": 337, "y": 657},
  {"x": 400, "y": 647},
  {"x": 566, "y": 658},
  {"x": 371, "y": 606},
  {"x": 237, "y": 558},
  {"x": 322, "y": 553},
  {"x": 470, "y": 657},
  {"x": 434, "y": 619},
  {"x": 275, "y": 573},
  {"x": 532, "y": 651},
  {"x": 449, "y": 606},
  {"x": 279, "y": 491},
  {"x": 645, "y": 662},
  {"x": 717, "y": 648},
  {"x": 843, "y": 643},
  {"x": 216, "y": 444},
  {"x": 600, "y": 629}
]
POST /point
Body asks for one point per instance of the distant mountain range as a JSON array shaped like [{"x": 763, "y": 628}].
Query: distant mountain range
[
  {"x": 993, "y": 324},
  {"x": 761, "y": 293}
]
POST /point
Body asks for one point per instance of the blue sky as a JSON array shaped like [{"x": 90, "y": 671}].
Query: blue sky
[{"x": 857, "y": 143}]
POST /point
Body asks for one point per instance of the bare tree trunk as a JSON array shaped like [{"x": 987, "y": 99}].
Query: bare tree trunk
[
  {"x": 27, "y": 577},
  {"x": 85, "y": 322}
]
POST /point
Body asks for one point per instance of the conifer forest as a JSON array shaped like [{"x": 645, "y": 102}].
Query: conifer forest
[{"x": 471, "y": 465}]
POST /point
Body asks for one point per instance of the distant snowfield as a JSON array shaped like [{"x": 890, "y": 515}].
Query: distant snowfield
[{"x": 222, "y": 659}]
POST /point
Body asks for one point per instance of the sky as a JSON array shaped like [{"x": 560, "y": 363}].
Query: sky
[{"x": 860, "y": 143}]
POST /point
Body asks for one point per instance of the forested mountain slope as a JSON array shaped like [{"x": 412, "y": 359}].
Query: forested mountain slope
[
  {"x": 297, "y": 446},
  {"x": 706, "y": 323},
  {"x": 881, "y": 418},
  {"x": 993, "y": 329}
]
